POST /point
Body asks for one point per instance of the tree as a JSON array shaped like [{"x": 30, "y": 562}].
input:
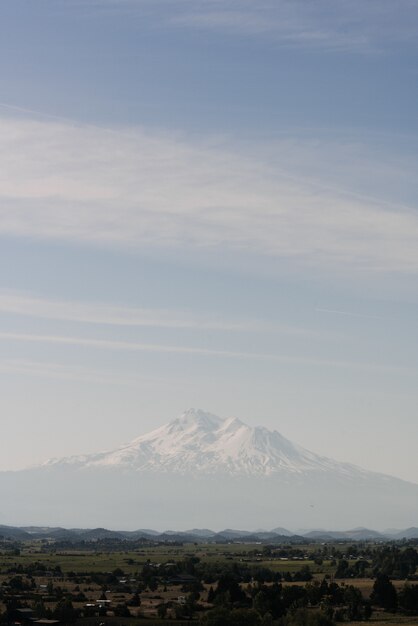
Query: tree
[
  {"x": 384, "y": 593},
  {"x": 342, "y": 569},
  {"x": 245, "y": 617},
  {"x": 229, "y": 584},
  {"x": 40, "y": 609},
  {"x": 220, "y": 616},
  {"x": 354, "y": 602},
  {"x": 121, "y": 610},
  {"x": 408, "y": 599},
  {"x": 303, "y": 617},
  {"x": 268, "y": 599},
  {"x": 408, "y": 561},
  {"x": 304, "y": 574},
  {"x": 368, "y": 610},
  {"x": 65, "y": 612},
  {"x": 135, "y": 600},
  {"x": 11, "y": 605},
  {"x": 294, "y": 597},
  {"x": 118, "y": 572}
]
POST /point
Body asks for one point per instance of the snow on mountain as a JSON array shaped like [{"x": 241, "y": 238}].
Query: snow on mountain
[{"x": 199, "y": 442}]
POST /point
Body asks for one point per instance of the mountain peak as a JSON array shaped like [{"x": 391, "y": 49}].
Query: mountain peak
[
  {"x": 198, "y": 442},
  {"x": 196, "y": 418}
]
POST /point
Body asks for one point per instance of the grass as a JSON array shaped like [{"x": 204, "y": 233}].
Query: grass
[{"x": 130, "y": 561}]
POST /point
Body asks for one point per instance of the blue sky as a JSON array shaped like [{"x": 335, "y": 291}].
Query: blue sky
[{"x": 209, "y": 203}]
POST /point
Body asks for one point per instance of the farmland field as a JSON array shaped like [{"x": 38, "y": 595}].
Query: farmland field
[{"x": 121, "y": 583}]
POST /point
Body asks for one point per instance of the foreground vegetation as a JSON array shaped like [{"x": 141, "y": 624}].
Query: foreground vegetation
[{"x": 122, "y": 582}]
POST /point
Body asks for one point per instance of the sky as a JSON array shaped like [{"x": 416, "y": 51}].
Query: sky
[{"x": 212, "y": 204}]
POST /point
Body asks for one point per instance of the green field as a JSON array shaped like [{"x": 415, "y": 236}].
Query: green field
[{"x": 131, "y": 561}]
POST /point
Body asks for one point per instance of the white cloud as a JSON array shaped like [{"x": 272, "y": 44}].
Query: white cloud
[{"x": 144, "y": 190}]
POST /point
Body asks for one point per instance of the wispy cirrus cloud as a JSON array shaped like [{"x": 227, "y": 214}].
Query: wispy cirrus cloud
[
  {"x": 131, "y": 188},
  {"x": 343, "y": 26},
  {"x": 60, "y": 371},
  {"x": 290, "y": 24},
  {"x": 124, "y": 346},
  {"x": 101, "y": 313},
  {"x": 132, "y": 346},
  {"x": 98, "y": 313},
  {"x": 348, "y": 313}
]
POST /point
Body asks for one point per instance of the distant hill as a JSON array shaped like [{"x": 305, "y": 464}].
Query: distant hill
[
  {"x": 282, "y": 531},
  {"x": 12, "y": 532},
  {"x": 409, "y": 533},
  {"x": 75, "y": 535},
  {"x": 357, "y": 534}
]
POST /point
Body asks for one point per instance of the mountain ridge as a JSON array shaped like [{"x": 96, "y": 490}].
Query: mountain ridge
[{"x": 202, "y": 535}]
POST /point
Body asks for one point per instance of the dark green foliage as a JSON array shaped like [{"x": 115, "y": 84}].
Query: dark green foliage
[
  {"x": 121, "y": 610},
  {"x": 153, "y": 584},
  {"x": 384, "y": 593},
  {"x": 235, "y": 617},
  {"x": 408, "y": 599},
  {"x": 228, "y": 586},
  {"x": 216, "y": 617},
  {"x": 319, "y": 591},
  {"x": 41, "y": 611},
  {"x": 342, "y": 569},
  {"x": 118, "y": 572},
  {"x": 162, "y": 610},
  {"x": 244, "y": 617},
  {"x": 11, "y": 605},
  {"x": 396, "y": 562},
  {"x": 268, "y": 599},
  {"x": 65, "y": 612},
  {"x": 305, "y": 617},
  {"x": 303, "y": 575},
  {"x": 135, "y": 600},
  {"x": 294, "y": 597},
  {"x": 211, "y": 595},
  {"x": 354, "y": 603},
  {"x": 18, "y": 584}
]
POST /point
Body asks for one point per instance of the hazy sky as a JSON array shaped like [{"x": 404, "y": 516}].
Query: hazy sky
[{"x": 209, "y": 203}]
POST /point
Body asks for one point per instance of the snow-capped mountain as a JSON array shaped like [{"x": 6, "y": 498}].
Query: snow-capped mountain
[
  {"x": 201, "y": 471},
  {"x": 204, "y": 443}
]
